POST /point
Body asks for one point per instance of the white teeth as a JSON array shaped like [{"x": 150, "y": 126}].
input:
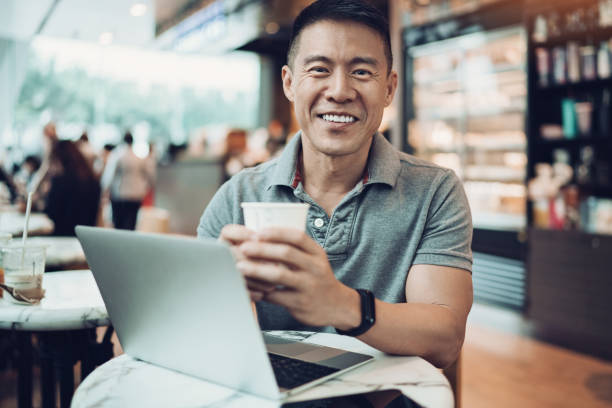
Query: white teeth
[{"x": 338, "y": 118}]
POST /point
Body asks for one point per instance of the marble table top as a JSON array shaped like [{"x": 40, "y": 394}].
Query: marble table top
[
  {"x": 125, "y": 381},
  {"x": 61, "y": 251},
  {"x": 72, "y": 301},
  {"x": 12, "y": 222}
]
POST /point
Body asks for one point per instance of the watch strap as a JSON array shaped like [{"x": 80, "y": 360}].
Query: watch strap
[{"x": 368, "y": 314}]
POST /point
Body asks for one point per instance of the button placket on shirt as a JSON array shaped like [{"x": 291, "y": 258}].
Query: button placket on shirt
[{"x": 318, "y": 224}]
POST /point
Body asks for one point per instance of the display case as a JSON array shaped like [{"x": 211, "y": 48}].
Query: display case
[
  {"x": 464, "y": 108},
  {"x": 469, "y": 98}
]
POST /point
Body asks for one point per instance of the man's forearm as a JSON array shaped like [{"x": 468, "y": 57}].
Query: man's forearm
[{"x": 430, "y": 331}]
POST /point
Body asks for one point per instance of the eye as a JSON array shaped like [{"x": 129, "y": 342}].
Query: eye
[
  {"x": 318, "y": 70},
  {"x": 362, "y": 73}
]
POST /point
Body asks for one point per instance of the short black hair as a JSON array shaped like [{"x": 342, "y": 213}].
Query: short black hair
[{"x": 358, "y": 11}]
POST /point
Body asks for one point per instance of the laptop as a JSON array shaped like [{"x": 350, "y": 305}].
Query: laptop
[{"x": 180, "y": 303}]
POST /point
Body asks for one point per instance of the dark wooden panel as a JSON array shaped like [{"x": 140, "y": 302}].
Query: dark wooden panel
[{"x": 570, "y": 286}]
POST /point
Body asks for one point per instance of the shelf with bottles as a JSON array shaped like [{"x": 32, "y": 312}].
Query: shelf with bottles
[
  {"x": 552, "y": 20},
  {"x": 572, "y": 193},
  {"x": 571, "y": 45},
  {"x": 574, "y": 64},
  {"x": 582, "y": 117},
  {"x": 571, "y": 211},
  {"x": 591, "y": 35}
]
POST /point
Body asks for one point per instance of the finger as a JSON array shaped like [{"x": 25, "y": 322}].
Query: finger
[
  {"x": 291, "y": 236},
  {"x": 269, "y": 272},
  {"x": 236, "y": 234},
  {"x": 259, "y": 286},
  {"x": 256, "y": 296},
  {"x": 284, "y": 253}
]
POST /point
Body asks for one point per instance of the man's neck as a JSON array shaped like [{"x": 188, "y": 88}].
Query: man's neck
[{"x": 327, "y": 179}]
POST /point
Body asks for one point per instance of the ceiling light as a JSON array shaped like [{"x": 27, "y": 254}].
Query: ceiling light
[
  {"x": 106, "y": 38},
  {"x": 138, "y": 9}
]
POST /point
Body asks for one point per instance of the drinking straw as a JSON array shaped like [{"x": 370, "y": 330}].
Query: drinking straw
[{"x": 24, "y": 236}]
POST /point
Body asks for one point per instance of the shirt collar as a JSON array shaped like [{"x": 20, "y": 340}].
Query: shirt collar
[{"x": 383, "y": 163}]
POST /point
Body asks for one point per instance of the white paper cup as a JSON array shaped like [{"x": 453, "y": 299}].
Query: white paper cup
[{"x": 264, "y": 215}]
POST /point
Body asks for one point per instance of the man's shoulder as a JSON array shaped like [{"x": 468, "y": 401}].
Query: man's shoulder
[
  {"x": 412, "y": 165},
  {"x": 259, "y": 174}
]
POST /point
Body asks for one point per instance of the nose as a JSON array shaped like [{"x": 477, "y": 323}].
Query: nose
[{"x": 340, "y": 89}]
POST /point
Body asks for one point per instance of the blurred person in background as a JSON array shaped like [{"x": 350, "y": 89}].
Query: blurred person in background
[
  {"x": 40, "y": 182},
  {"x": 235, "y": 149},
  {"x": 88, "y": 151},
  {"x": 127, "y": 179},
  {"x": 74, "y": 193},
  {"x": 26, "y": 172},
  {"x": 149, "y": 198},
  {"x": 104, "y": 155},
  {"x": 277, "y": 138},
  {"x": 8, "y": 189}
]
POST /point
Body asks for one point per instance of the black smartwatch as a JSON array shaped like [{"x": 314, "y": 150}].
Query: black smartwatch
[{"x": 368, "y": 314}]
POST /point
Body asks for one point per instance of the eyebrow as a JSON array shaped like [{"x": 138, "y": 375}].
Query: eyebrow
[
  {"x": 364, "y": 60},
  {"x": 317, "y": 58},
  {"x": 354, "y": 61}
]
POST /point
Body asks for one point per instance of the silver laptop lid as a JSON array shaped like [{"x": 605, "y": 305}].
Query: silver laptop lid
[{"x": 180, "y": 303}]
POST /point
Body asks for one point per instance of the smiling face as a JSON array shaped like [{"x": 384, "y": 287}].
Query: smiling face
[{"x": 339, "y": 86}]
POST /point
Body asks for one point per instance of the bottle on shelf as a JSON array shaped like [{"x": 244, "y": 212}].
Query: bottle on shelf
[
  {"x": 603, "y": 114},
  {"x": 588, "y": 62},
  {"x": 603, "y": 60},
  {"x": 542, "y": 66},
  {"x": 584, "y": 117},
  {"x": 585, "y": 166},
  {"x": 568, "y": 118},
  {"x": 559, "y": 67},
  {"x": 573, "y": 61}
]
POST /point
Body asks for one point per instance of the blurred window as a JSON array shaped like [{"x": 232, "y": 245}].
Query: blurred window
[{"x": 110, "y": 89}]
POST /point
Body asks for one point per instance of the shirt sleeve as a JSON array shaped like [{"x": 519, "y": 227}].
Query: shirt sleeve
[
  {"x": 217, "y": 214},
  {"x": 447, "y": 238}
]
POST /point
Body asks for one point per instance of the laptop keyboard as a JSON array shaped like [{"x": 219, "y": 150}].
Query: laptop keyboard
[{"x": 291, "y": 373}]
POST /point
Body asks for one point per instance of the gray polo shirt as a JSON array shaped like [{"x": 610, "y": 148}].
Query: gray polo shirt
[{"x": 406, "y": 211}]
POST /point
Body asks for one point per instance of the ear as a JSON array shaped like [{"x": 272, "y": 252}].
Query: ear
[
  {"x": 287, "y": 77},
  {"x": 391, "y": 87}
]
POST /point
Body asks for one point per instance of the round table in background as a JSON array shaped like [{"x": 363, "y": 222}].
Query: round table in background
[
  {"x": 63, "y": 323},
  {"x": 12, "y": 221}
]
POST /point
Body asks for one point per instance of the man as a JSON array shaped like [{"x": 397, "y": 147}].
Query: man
[
  {"x": 129, "y": 178},
  {"x": 379, "y": 219}
]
